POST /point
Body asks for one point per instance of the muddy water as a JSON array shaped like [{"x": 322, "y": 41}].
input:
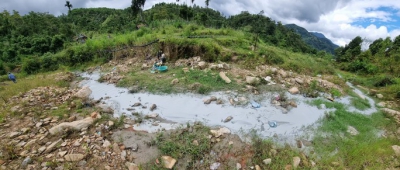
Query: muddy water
[{"x": 180, "y": 109}]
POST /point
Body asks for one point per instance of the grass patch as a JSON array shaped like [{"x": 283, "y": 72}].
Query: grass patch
[
  {"x": 181, "y": 144},
  {"x": 161, "y": 82},
  {"x": 360, "y": 104},
  {"x": 366, "y": 150}
]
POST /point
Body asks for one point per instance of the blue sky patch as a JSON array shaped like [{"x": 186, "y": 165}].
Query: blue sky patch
[{"x": 391, "y": 24}]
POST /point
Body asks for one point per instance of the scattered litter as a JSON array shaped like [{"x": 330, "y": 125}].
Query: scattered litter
[
  {"x": 255, "y": 104},
  {"x": 272, "y": 124},
  {"x": 215, "y": 166}
]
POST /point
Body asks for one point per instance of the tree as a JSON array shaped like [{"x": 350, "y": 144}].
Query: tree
[
  {"x": 192, "y": 2},
  {"x": 68, "y": 5},
  {"x": 207, "y": 3},
  {"x": 137, "y": 7}
]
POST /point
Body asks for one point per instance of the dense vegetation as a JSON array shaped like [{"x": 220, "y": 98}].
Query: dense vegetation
[
  {"x": 42, "y": 42},
  {"x": 378, "y": 65}
]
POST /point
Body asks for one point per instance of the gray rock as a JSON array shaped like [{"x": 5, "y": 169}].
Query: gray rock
[
  {"x": 52, "y": 146},
  {"x": 224, "y": 77},
  {"x": 353, "y": 131},
  {"x": 25, "y": 162},
  {"x": 267, "y": 161},
  {"x": 13, "y": 134},
  {"x": 133, "y": 89},
  {"x": 229, "y": 118},
  {"x": 153, "y": 107},
  {"x": 137, "y": 104}
]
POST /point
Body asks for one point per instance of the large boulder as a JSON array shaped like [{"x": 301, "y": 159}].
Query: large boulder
[
  {"x": 76, "y": 125},
  {"x": 83, "y": 93},
  {"x": 224, "y": 77}
]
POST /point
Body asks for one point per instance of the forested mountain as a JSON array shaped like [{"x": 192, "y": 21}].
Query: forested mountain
[
  {"x": 35, "y": 36},
  {"x": 316, "y": 40}
]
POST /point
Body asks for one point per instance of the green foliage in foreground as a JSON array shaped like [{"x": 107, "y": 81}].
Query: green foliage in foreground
[{"x": 368, "y": 149}]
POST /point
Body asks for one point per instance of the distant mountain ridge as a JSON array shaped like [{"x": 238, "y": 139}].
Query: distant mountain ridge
[{"x": 314, "y": 39}]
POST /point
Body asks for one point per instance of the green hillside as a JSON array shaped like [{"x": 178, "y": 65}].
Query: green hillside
[{"x": 316, "y": 40}]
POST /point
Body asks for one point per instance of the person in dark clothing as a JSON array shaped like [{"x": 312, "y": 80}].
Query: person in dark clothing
[
  {"x": 159, "y": 55},
  {"x": 12, "y": 77}
]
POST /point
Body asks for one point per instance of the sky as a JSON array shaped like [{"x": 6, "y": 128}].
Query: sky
[{"x": 338, "y": 20}]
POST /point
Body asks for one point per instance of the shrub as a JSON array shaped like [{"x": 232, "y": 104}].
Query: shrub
[{"x": 30, "y": 66}]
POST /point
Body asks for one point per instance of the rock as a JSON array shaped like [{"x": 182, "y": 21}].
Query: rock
[
  {"x": 229, "y": 118},
  {"x": 282, "y": 73},
  {"x": 353, "y": 131},
  {"x": 168, "y": 162},
  {"x": 299, "y": 144},
  {"x": 25, "y": 130},
  {"x": 83, "y": 93},
  {"x": 202, "y": 65},
  {"x": 131, "y": 166},
  {"x": 137, "y": 104},
  {"x": 74, "y": 157},
  {"x": 25, "y": 162},
  {"x": 224, "y": 77},
  {"x": 294, "y": 90},
  {"x": 252, "y": 80},
  {"x": 62, "y": 153},
  {"x": 396, "y": 150},
  {"x": 313, "y": 164},
  {"x": 71, "y": 119},
  {"x": 105, "y": 108},
  {"x": 153, "y": 107},
  {"x": 110, "y": 123},
  {"x": 77, "y": 125},
  {"x": 267, "y": 161},
  {"x": 221, "y": 131},
  {"x": 82, "y": 163},
  {"x": 379, "y": 96},
  {"x": 133, "y": 146},
  {"x": 106, "y": 144},
  {"x": 39, "y": 124},
  {"x": 322, "y": 106},
  {"x": 123, "y": 155},
  {"x": 213, "y": 98},
  {"x": 13, "y": 134},
  {"x": 293, "y": 103},
  {"x": 219, "y": 101},
  {"x": 381, "y": 104},
  {"x": 144, "y": 66},
  {"x": 258, "y": 167},
  {"x": 288, "y": 167},
  {"x": 52, "y": 146},
  {"x": 133, "y": 89},
  {"x": 41, "y": 149},
  {"x": 299, "y": 81},
  {"x": 116, "y": 148},
  {"x": 330, "y": 98},
  {"x": 208, "y": 101},
  {"x": 174, "y": 81},
  {"x": 238, "y": 166},
  {"x": 215, "y": 166},
  {"x": 152, "y": 115},
  {"x": 296, "y": 162}
]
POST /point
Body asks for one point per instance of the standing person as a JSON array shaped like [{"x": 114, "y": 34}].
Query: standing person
[
  {"x": 12, "y": 77},
  {"x": 163, "y": 59},
  {"x": 159, "y": 55}
]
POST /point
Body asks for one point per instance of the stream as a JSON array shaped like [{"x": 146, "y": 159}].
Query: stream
[{"x": 179, "y": 109}]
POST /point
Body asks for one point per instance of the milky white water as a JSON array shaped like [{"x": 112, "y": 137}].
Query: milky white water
[{"x": 183, "y": 108}]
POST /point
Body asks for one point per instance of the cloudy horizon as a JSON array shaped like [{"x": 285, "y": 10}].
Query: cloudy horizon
[{"x": 338, "y": 20}]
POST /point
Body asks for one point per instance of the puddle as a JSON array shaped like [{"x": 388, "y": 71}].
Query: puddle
[{"x": 188, "y": 108}]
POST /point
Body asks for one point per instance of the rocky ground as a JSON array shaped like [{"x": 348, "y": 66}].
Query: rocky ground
[{"x": 60, "y": 128}]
